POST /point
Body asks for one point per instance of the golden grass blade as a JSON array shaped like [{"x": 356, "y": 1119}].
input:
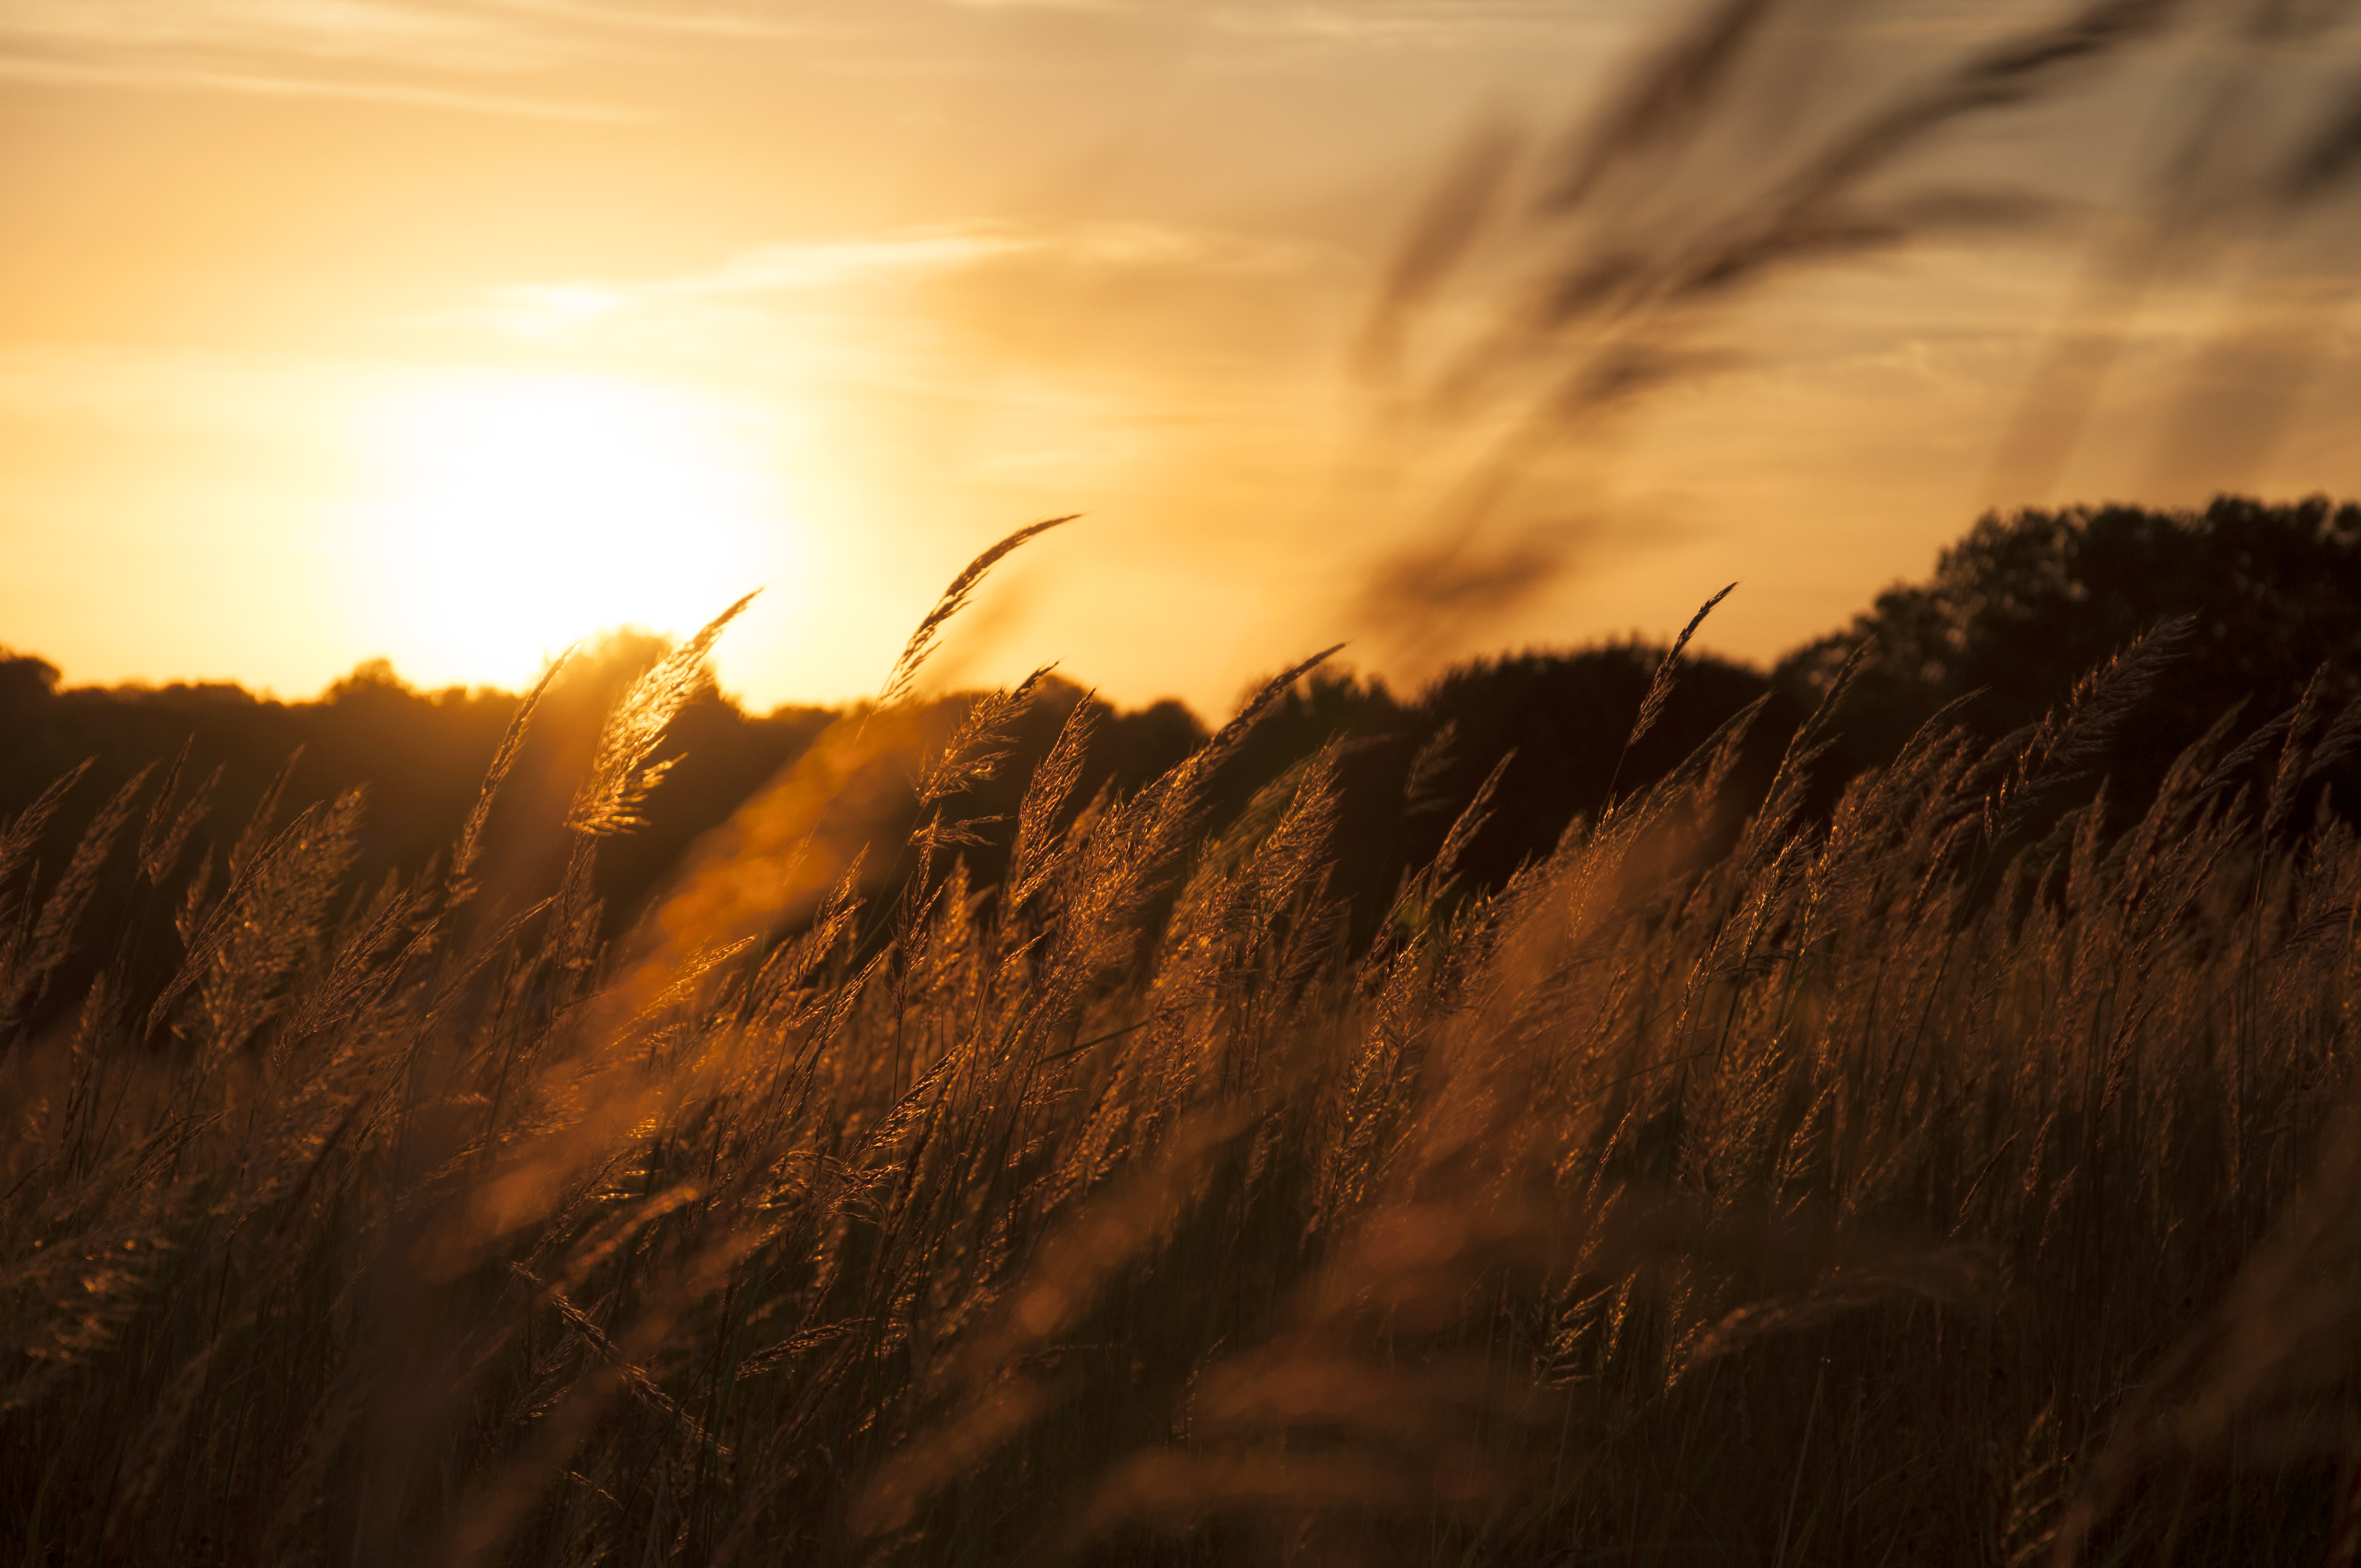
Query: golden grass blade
[
  {"x": 620, "y": 776},
  {"x": 903, "y": 676}
]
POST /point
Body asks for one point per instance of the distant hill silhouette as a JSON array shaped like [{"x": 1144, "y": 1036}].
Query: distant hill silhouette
[{"x": 2013, "y": 613}]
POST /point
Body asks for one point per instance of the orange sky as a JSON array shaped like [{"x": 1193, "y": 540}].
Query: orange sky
[{"x": 451, "y": 329}]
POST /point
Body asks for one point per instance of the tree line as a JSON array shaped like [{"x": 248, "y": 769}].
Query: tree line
[{"x": 2262, "y": 600}]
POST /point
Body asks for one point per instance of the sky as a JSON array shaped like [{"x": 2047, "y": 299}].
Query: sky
[{"x": 452, "y": 331}]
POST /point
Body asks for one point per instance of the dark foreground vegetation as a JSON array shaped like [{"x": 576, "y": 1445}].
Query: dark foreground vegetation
[{"x": 1830, "y": 1127}]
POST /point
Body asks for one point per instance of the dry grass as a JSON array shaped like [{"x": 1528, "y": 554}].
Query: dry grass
[{"x": 1732, "y": 1186}]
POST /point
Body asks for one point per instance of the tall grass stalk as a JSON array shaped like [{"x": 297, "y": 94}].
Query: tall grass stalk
[{"x": 1736, "y": 1184}]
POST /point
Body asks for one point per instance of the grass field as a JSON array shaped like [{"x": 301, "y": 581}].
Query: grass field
[{"x": 1940, "y": 1180}]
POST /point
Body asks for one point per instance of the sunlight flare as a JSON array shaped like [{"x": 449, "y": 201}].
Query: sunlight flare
[{"x": 516, "y": 514}]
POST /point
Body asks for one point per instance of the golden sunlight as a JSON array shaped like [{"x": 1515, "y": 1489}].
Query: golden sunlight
[{"x": 517, "y": 514}]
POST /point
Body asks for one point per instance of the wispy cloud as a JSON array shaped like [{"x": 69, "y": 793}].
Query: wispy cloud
[
  {"x": 464, "y": 38},
  {"x": 417, "y": 96},
  {"x": 661, "y": 16},
  {"x": 938, "y": 248},
  {"x": 1345, "y": 21},
  {"x": 430, "y": 54},
  {"x": 820, "y": 264},
  {"x": 893, "y": 259},
  {"x": 500, "y": 55}
]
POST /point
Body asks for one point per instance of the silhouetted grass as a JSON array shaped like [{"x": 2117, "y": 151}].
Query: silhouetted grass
[{"x": 1738, "y": 1183}]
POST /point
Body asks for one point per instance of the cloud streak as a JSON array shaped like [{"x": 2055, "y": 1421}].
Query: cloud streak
[
  {"x": 458, "y": 37},
  {"x": 1353, "y": 20},
  {"x": 197, "y": 78},
  {"x": 438, "y": 54},
  {"x": 423, "y": 54},
  {"x": 824, "y": 273}
]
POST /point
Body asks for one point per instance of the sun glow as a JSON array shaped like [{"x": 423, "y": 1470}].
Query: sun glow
[{"x": 517, "y": 514}]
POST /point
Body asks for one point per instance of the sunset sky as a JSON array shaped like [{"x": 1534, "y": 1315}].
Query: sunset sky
[{"x": 453, "y": 330}]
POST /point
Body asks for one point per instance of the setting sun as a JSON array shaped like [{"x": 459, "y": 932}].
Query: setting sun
[{"x": 517, "y": 514}]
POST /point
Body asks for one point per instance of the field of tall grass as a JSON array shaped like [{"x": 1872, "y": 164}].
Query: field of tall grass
[{"x": 1945, "y": 1178}]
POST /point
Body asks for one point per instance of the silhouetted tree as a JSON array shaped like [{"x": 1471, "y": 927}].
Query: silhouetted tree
[{"x": 2019, "y": 609}]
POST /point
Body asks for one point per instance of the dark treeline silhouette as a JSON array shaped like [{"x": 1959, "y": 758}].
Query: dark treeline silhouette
[
  {"x": 2014, "y": 614},
  {"x": 2018, "y": 609}
]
